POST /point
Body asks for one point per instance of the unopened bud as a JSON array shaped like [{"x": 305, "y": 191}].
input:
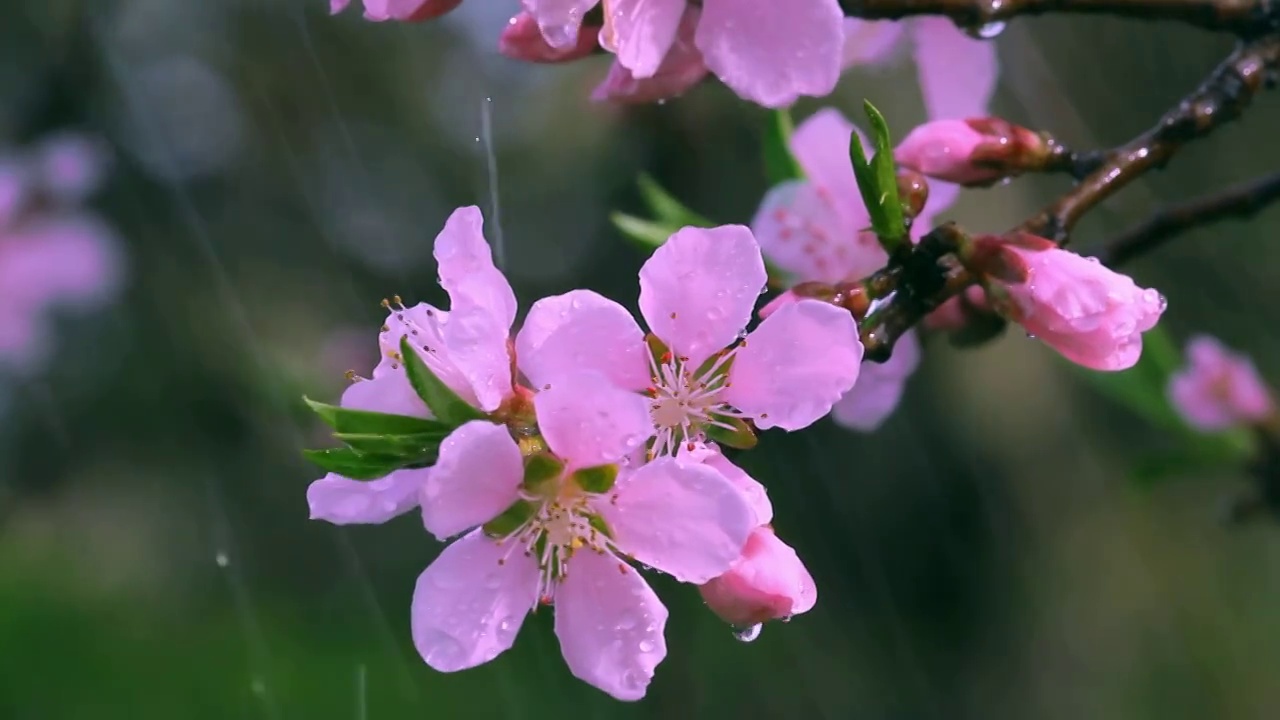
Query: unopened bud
[
  {"x": 768, "y": 582},
  {"x": 913, "y": 191},
  {"x": 973, "y": 152},
  {"x": 522, "y": 40}
]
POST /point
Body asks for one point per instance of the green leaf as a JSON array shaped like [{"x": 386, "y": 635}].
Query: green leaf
[
  {"x": 741, "y": 436},
  {"x": 596, "y": 479},
  {"x": 539, "y": 469},
  {"x": 445, "y": 404},
  {"x": 878, "y": 182},
  {"x": 779, "y": 164},
  {"x": 511, "y": 519},
  {"x": 421, "y": 447},
  {"x": 352, "y": 464},
  {"x": 665, "y": 207},
  {"x": 347, "y": 420},
  {"x": 645, "y": 233}
]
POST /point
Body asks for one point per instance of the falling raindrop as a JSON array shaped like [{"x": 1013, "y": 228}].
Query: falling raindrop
[
  {"x": 986, "y": 31},
  {"x": 222, "y": 559},
  {"x": 748, "y": 634}
]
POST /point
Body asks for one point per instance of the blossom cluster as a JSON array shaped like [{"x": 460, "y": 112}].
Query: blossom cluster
[
  {"x": 54, "y": 253},
  {"x": 559, "y": 459}
]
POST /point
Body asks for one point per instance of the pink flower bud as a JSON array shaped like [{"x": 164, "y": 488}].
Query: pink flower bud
[
  {"x": 977, "y": 151},
  {"x": 522, "y": 40},
  {"x": 402, "y": 10},
  {"x": 1092, "y": 315},
  {"x": 768, "y": 582},
  {"x": 1219, "y": 389}
]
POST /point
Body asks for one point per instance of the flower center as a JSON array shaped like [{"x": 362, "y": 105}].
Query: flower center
[{"x": 685, "y": 402}]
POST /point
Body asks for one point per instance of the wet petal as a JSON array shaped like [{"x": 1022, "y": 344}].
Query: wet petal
[
  {"x": 344, "y": 502},
  {"x": 801, "y": 231},
  {"x": 754, "y": 493},
  {"x": 475, "y": 478},
  {"x": 588, "y": 420},
  {"x": 389, "y": 393},
  {"x": 698, "y": 290},
  {"x": 879, "y": 387},
  {"x": 684, "y": 519},
  {"x": 468, "y": 606},
  {"x": 610, "y": 625},
  {"x": 467, "y": 271},
  {"x": 559, "y": 20},
  {"x": 821, "y": 146},
  {"x": 582, "y": 330},
  {"x": 868, "y": 42},
  {"x": 796, "y": 365},
  {"x": 476, "y": 346},
  {"x": 957, "y": 72},
  {"x": 640, "y": 32},
  {"x": 772, "y": 52},
  {"x": 767, "y": 583}
]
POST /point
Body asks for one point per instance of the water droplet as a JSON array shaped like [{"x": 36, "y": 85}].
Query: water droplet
[
  {"x": 1030, "y": 336},
  {"x": 628, "y": 621},
  {"x": 646, "y": 646},
  {"x": 749, "y": 634},
  {"x": 222, "y": 559},
  {"x": 987, "y": 31}
]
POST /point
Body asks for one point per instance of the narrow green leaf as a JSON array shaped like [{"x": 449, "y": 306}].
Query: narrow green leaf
[
  {"x": 666, "y": 209},
  {"x": 779, "y": 164},
  {"x": 511, "y": 519},
  {"x": 740, "y": 436},
  {"x": 596, "y": 479},
  {"x": 349, "y": 463},
  {"x": 348, "y": 420},
  {"x": 645, "y": 233},
  {"x": 421, "y": 447},
  {"x": 445, "y": 404},
  {"x": 893, "y": 228}
]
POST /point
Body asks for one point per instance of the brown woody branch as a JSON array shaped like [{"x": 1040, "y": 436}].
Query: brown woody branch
[
  {"x": 1246, "y": 18},
  {"x": 1239, "y": 201}
]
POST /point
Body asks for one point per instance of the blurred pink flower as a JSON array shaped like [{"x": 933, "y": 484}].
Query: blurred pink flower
[
  {"x": 402, "y": 10},
  {"x": 569, "y": 547},
  {"x": 1092, "y": 315},
  {"x": 697, "y": 294},
  {"x": 768, "y": 582},
  {"x": 957, "y": 73},
  {"x": 1219, "y": 389}
]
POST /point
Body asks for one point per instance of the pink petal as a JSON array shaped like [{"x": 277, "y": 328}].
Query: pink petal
[
  {"x": 559, "y": 20},
  {"x": 680, "y": 70},
  {"x": 588, "y": 420},
  {"x": 767, "y": 583},
  {"x": 1219, "y": 389},
  {"x": 14, "y": 191},
  {"x": 71, "y": 166},
  {"x": 466, "y": 267},
  {"x": 801, "y": 231},
  {"x": 640, "y": 32},
  {"x": 879, "y": 387},
  {"x": 957, "y": 72},
  {"x": 752, "y": 491},
  {"x": 698, "y": 290},
  {"x": 582, "y": 330},
  {"x": 684, "y": 519},
  {"x": 476, "y": 476},
  {"x": 344, "y": 502},
  {"x": 772, "y": 52},
  {"x": 869, "y": 41},
  {"x": 610, "y": 625},
  {"x": 407, "y": 10},
  {"x": 821, "y": 146},
  {"x": 390, "y": 393},
  {"x": 467, "y": 606},
  {"x": 66, "y": 260},
  {"x": 476, "y": 346},
  {"x": 522, "y": 40},
  {"x": 796, "y": 365},
  {"x": 337, "y": 6}
]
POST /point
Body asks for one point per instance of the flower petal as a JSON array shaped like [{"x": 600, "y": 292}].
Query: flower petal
[
  {"x": 821, "y": 146},
  {"x": 468, "y": 606},
  {"x": 389, "y": 393},
  {"x": 559, "y": 20},
  {"x": 957, "y": 72},
  {"x": 476, "y": 345},
  {"x": 640, "y": 32},
  {"x": 772, "y": 52},
  {"x": 467, "y": 271},
  {"x": 754, "y": 493},
  {"x": 698, "y": 290},
  {"x": 879, "y": 387},
  {"x": 768, "y": 582},
  {"x": 610, "y": 625},
  {"x": 476, "y": 477},
  {"x": 582, "y": 330},
  {"x": 796, "y": 365},
  {"x": 345, "y": 502},
  {"x": 801, "y": 231},
  {"x": 588, "y": 420},
  {"x": 682, "y": 518},
  {"x": 868, "y": 42}
]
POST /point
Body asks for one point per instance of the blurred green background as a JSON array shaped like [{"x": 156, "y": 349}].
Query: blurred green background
[{"x": 279, "y": 171}]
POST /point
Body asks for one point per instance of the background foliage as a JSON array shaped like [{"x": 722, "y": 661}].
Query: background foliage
[{"x": 278, "y": 172}]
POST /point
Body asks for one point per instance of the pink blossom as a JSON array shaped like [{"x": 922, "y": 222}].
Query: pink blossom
[
  {"x": 568, "y": 545},
  {"x": 465, "y": 346},
  {"x": 957, "y": 73},
  {"x": 768, "y": 582},
  {"x": 944, "y": 149},
  {"x": 1219, "y": 389},
  {"x": 768, "y": 52},
  {"x": 697, "y": 293},
  {"x": 680, "y": 70},
  {"x": 1092, "y": 315},
  {"x": 880, "y": 387},
  {"x": 521, "y": 40},
  {"x": 401, "y": 10}
]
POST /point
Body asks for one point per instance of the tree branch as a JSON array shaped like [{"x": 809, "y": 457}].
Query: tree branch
[
  {"x": 1246, "y": 18},
  {"x": 1239, "y": 201}
]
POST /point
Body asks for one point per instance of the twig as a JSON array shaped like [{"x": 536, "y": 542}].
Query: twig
[
  {"x": 1246, "y": 18},
  {"x": 1239, "y": 201}
]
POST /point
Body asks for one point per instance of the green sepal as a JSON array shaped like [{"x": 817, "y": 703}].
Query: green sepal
[
  {"x": 348, "y": 420},
  {"x": 666, "y": 209},
  {"x": 705, "y": 367},
  {"x": 445, "y": 404},
  {"x": 355, "y": 465},
  {"x": 779, "y": 164},
  {"x": 511, "y": 519},
  {"x": 602, "y": 527},
  {"x": 540, "y": 469},
  {"x": 742, "y": 436},
  {"x": 878, "y": 182},
  {"x": 598, "y": 479},
  {"x": 657, "y": 349},
  {"x": 421, "y": 447}
]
